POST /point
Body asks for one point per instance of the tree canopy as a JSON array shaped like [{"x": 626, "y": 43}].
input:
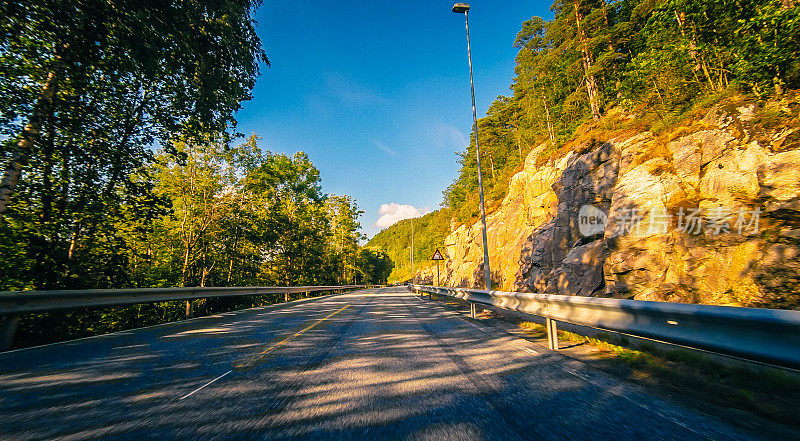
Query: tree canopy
[
  {"x": 88, "y": 89},
  {"x": 120, "y": 165},
  {"x": 652, "y": 58}
]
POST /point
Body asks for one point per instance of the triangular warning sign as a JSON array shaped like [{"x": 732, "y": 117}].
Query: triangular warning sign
[{"x": 437, "y": 256}]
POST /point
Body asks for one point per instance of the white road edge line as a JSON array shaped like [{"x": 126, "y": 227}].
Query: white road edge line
[
  {"x": 594, "y": 383},
  {"x": 198, "y": 389}
]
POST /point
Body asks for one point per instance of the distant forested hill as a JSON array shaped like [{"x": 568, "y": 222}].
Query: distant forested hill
[{"x": 429, "y": 233}]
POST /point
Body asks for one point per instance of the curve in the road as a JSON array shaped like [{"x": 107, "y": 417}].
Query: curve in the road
[{"x": 379, "y": 363}]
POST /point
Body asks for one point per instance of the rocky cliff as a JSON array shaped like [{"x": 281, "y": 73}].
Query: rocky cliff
[{"x": 708, "y": 213}]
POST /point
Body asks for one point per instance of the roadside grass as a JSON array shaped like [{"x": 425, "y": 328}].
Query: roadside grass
[{"x": 769, "y": 392}]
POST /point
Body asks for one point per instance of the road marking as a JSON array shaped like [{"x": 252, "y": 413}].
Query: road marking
[
  {"x": 287, "y": 339},
  {"x": 280, "y": 343},
  {"x": 485, "y": 331},
  {"x": 201, "y": 387}
]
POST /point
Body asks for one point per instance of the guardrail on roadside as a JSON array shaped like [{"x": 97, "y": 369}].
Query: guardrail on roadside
[
  {"x": 15, "y": 303},
  {"x": 765, "y": 335}
]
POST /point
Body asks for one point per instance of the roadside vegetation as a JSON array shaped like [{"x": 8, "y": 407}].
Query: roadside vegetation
[
  {"x": 602, "y": 69},
  {"x": 123, "y": 168},
  {"x": 729, "y": 388},
  {"x": 599, "y": 69},
  {"x": 430, "y": 232},
  {"x": 771, "y": 393}
]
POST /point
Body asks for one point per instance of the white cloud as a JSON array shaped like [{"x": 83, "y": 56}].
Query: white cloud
[
  {"x": 383, "y": 147},
  {"x": 394, "y": 212}
]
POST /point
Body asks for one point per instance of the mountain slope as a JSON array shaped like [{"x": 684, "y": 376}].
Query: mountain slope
[{"x": 429, "y": 233}]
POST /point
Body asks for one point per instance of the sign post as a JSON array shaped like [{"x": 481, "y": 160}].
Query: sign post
[{"x": 437, "y": 256}]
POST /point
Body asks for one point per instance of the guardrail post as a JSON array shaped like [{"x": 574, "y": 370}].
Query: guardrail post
[
  {"x": 472, "y": 309},
  {"x": 552, "y": 334},
  {"x": 8, "y": 327},
  {"x": 189, "y": 309}
]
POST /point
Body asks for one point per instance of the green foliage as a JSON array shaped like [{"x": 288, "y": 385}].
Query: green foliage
[
  {"x": 374, "y": 265},
  {"x": 395, "y": 241},
  {"x": 229, "y": 217},
  {"x": 119, "y": 82},
  {"x": 343, "y": 241},
  {"x": 242, "y": 217},
  {"x": 654, "y": 58},
  {"x": 128, "y": 178},
  {"x": 503, "y": 152},
  {"x": 120, "y": 116},
  {"x": 768, "y": 46},
  {"x": 120, "y": 68}
]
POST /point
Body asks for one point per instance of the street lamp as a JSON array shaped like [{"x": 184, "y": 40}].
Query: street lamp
[
  {"x": 413, "y": 274},
  {"x": 459, "y": 8}
]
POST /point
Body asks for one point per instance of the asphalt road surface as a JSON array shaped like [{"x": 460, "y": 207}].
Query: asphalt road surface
[{"x": 378, "y": 363}]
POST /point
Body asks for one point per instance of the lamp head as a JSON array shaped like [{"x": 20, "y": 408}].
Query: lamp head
[{"x": 459, "y": 8}]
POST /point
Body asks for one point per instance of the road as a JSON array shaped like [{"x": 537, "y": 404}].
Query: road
[{"x": 378, "y": 363}]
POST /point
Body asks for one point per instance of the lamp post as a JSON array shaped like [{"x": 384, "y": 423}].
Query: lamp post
[
  {"x": 458, "y": 8},
  {"x": 413, "y": 275}
]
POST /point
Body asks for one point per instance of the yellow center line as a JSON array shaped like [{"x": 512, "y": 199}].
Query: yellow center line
[{"x": 287, "y": 339}]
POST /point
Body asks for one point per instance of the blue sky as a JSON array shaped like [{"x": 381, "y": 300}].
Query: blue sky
[{"x": 377, "y": 93}]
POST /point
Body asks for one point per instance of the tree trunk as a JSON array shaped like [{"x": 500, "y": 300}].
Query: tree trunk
[
  {"x": 517, "y": 136},
  {"x": 612, "y": 49},
  {"x": 661, "y": 98},
  {"x": 29, "y": 136},
  {"x": 184, "y": 270},
  {"x": 185, "y": 266},
  {"x": 699, "y": 63},
  {"x": 549, "y": 123},
  {"x": 776, "y": 81},
  {"x": 591, "y": 82},
  {"x": 680, "y": 17},
  {"x": 47, "y": 183}
]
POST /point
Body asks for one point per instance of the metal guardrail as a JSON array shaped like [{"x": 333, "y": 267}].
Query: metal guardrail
[
  {"x": 15, "y": 303},
  {"x": 22, "y": 302},
  {"x": 764, "y": 335}
]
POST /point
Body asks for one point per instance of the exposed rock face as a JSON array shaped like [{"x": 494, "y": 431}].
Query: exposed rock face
[
  {"x": 712, "y": 216},
  {"x": 557, "y": 258},
  {"x": 530, "y": 202}
]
